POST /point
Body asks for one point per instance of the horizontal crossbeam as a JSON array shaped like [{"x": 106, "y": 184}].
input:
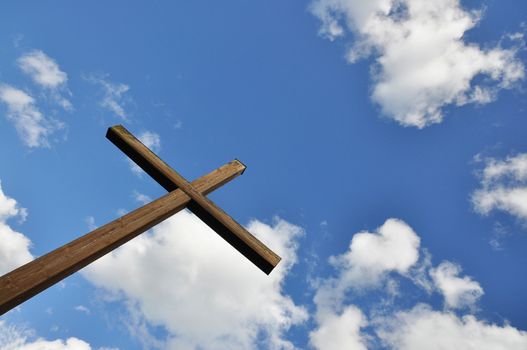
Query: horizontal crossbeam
[
  {"x": 201, "y": 206},
  {"x": 30, "y": 279}
]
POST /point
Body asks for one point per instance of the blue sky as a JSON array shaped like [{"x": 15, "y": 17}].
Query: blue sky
[{"x": 386, "y": 163}]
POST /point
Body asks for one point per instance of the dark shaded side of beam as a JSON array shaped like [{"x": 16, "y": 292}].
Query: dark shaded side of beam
[
  {"x": 139, "y": 159},
  {"x": 233, "y": 240}
]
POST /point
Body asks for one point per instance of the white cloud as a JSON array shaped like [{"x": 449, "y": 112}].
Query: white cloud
[
  {"x": 341, "y": 325},
  {"x": 370, "y": 258},
  {"x": 458, "y": 292},
  {"x": 141, "y": 198},
  {"x": 17, "y": 338},
  {"x": 394, "y": 247},
  {"x": 419, "y": 274},
  {"x": 503, "y": 187},
  {"x": 14, "y": 247},
  {"x": 32, "y": 127},
  {"x": 423, "y": 328},
  {"x": 513, "y": 167},
  {"x": 499, "y": 232},
  {"x": 114, "y": 97},
  {"x": 82, "y": 308},
  {"x": 212, "y": 297},
  {"x": 45, "y": 72},
  {"x": 511, "y": 200},
  {"x": 337, "y": 332},
  {"x": 42, "y": 69},
  {"x": 9, "y": 208},
  {"x": 90, "y": 222},
  {"x": 151, "y": 140},
  {"x": 423, "y": 62}
]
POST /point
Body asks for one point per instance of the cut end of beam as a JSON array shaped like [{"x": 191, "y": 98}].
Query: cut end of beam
[{"x": 244, "y": 166}]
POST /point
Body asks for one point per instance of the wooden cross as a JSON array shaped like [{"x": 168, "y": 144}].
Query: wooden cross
[{"x": 32, "y": 278}]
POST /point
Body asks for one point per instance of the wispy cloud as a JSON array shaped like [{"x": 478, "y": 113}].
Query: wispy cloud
[
  {"x": 83, "y": 309},
  {"x": 32, "y": 127},
  {"x": 113, "y": 95},
  {"x": 178, "y": 124},
  {"x": 45, "y": 72},
  {"x": 151, "y": 140},
  {"x": 141, "y": 198},
  {"x": 499, "y": 232},
  {"x": 42, "y": 69},
  {"x": 503, "y": 186},
  {"x": 423, "y": 62},
  {"x": 90, "y": 222}
]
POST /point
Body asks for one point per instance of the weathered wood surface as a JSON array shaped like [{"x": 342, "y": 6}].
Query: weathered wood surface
[
  {"x": 205, "y": 209},
  {"x": 30, "y": 279}
]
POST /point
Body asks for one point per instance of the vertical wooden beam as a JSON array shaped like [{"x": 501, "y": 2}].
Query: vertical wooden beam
[
  {"x": 30, "y": 279},
  {"x": 205, "y": 209}
]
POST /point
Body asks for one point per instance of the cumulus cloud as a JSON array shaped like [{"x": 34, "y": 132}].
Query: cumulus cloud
[
  {"x": 503, "y": 186},
  {"x": 114, "y": 97},
  {"x": 458, "y": 292},
  {"x": 32, "y": 127},
  {"x": 340, "y": 331},
  {"x": 212, "y": 297},
  {"x": 422, "y": 60},
  {"x": 45, "y": 72},
  {"x": 151, "y": 140},
  {"x": 14, "y": 247},
  {"x": 17, "y": 338},
  {"x": 394, "y": 247},
  {"x": 423, "y": 328}
]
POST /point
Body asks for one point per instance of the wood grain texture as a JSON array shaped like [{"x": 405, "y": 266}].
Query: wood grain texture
[
  {"x": 43, "y": 272},
  {"x": 234, "y": 233}
]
